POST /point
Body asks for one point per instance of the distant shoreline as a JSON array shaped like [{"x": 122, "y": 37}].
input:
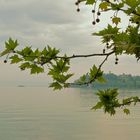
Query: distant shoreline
[{"x": 123, "y": 81}]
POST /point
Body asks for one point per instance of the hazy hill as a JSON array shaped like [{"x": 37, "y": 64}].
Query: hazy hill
[{"x": 118, "y": 81}]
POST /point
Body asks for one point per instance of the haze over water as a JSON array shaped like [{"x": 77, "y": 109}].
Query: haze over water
[{"x": 38, "y": 113}]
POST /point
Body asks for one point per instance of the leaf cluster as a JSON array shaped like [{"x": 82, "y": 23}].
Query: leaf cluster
[
  {"x": 95, "y": 74},
  {"x": 59, "y": 73},
  {"x": 35, "y": 59},
  {"x": 108, "y": 100}
]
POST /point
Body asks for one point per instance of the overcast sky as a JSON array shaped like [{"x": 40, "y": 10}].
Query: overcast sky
[{"x": 38, "y": 23}]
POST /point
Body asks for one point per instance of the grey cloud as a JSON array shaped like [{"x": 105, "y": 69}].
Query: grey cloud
[
  {"x": 35, "y": 20},
  {"x": 44, "y": 11},
  {"x": 42, "y": 22}
]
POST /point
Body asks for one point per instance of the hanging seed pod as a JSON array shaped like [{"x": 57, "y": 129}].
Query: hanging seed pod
[
  {"x": 93, "y": 22},
  {"x": 107, "y": 44},
  {"x": 93, "y": 11},
  {"x": 116, "y": 62},
  {"x": 78, "y": 9},
  {"x": 5, "y": 61},
  {"x": 76, "y": 3},
  {"x": 117, "y": 59},
  {"x": 97, "y": 20},
  {"x": 98, "y": 13}
]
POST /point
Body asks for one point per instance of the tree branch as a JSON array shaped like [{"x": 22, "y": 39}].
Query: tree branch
[
  {"x": 99, "y": 68},
  {"x": 133, "y": 12},
  {"x": 70, "y": 57},
  {"x": 85, "y": 56},
  {"x": 128, "y": 103},
  {"x": 113, "y": 4}
]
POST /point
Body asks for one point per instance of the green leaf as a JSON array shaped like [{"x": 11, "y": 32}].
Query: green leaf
[
  {"x": 37, "y": 53},
  {"x": 129, "y": 11},
  {"x": 126, "y": 111},
  {"x": 61, "y": 66},
  {"x": 61, "y": 78},
  {"x": 97, "y": 106},
  {"x": 109, "y": 100},
  {"x": 83, "y": 78},
  {"x": 65, "y": 68},
  {"x": 117, "y": 6},
  {"x": 11, "y": 44},
  {"x": 104, "y": 5},
  {"x": 15, "y": 59},
  {"x": 108, "y": 33},
  {"x": 136, "y": 99},
  {"x": 36, "y": 69},
  {"x": 91, "y": 2},
  {"x": 127, "y": 101},
  {"x": 116, "y": 20},
  {"x": 93, "y": 71},
  {"x": 53, "y": 72},
  {"x": 52, "y": 52},
  {"x": 6, "y": 51},
  {"x": 101, "y": 79},
  {"x": 56, "y": 86},
  {"x": 25, "y": 52},
  {"x": 68, "y": 76},
  {"x": 25, "y": 65},
  {"x": 45, "y": 52},
  {"x": 66, "y": 85},
  {"x": 132, "y": 3}
]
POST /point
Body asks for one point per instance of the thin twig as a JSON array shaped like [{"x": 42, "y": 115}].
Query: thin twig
[
  {"x": 85, "y": 56},
  {"x": 98, "y": 70},
  {"x": 70, "y": 57},
  {"x": 133, "y": 12}
]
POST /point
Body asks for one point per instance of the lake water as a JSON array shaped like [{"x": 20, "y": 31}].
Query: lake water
[{"x": 38, "y": 113}]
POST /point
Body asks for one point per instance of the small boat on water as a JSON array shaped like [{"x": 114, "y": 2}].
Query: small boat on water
[{"x": 21, "y": 86}]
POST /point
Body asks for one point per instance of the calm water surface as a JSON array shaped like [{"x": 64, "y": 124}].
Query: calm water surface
[{"x": 38, "y": 113}]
